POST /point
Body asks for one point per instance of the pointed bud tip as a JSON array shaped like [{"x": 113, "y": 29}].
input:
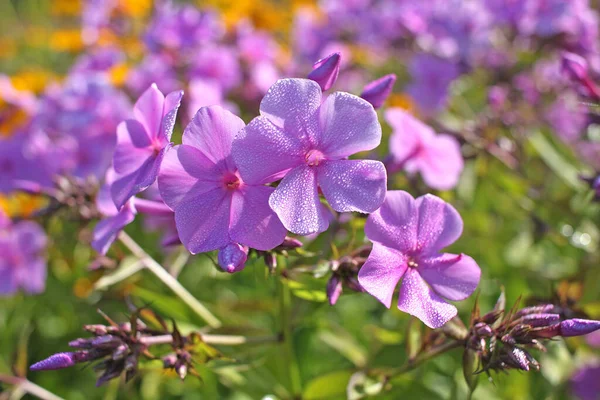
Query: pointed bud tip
[
  {"x": 578, "y": 327},
  {"x": 325, "y": 71},
  {"x": 378, "y": 91},
  {"x": 55, "y": 361}
]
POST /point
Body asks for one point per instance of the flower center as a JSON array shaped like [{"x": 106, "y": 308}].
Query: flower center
[
  {"x": 412, "y": 263},
  {"x": 314, "y": 157},
  {"x": 232, "y": 181}
]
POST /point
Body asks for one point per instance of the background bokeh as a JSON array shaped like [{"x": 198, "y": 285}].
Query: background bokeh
[{"x": 487, "y": 72}]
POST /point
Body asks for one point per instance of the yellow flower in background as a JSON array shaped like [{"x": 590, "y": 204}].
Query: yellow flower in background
[
  {"x": 66, "y": 8},
  {"x": 118, "y": 74},
  {"x": 32, "y": 80},
  {"x": 11, "y": 118},
  {"x": 66, "y": 40},
  {"x": 402, "y": 100},
  {"x": 135, "y": 8},
  {"x": 263, "y": 14},
  {"x": 21, "y": 204}
]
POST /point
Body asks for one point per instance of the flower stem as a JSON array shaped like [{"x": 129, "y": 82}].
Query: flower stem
[
  {"x": 170, "y": 281},
  {"x": 285, "y": 303},
  {"x": 226, "y": 340},
  {"x": 29, "y": 387},
  {"x": 425, "y": 356}
]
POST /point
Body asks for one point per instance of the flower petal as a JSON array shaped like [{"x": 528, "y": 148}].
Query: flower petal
[
  {"x": 290, "y": 101},
  {"x": 296, "y": 202},
  {"x": 454, "y": 277},
  {"x": 170, "y": 107},
  {"x": 186, "y": 173},
  {"x": 416, "y": 298},
  {"x": 381, "y": 273},
  {"x": 106, "y": 230},
  {"x": 349, "y": 124},
  {"x": 212, "y": 131},
  {"x": 439, "y": 224},
  {"x": 128, "y": 186},
  {"x": 253, "y": 223},
  {"x": 442, "y": 163},
  {"x": 395, "y": 223},
  {"x": 353, "y": 185},
  {"x": 133, "y": 147},
  {"x": 33, "y": 277},
  {"x": 29, "y": 236},
  {"x": 148, "y": 110},
  {"x": 263, "y": 152},
  {"x": 203, "y": 221}
]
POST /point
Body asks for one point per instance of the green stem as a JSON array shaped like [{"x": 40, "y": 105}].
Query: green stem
[
  {"x": 29, "y": 387},
  {"x": 170, "y": 281},
  {"x": 425, "y": 356},
  {"x": 285, "y": 304}
]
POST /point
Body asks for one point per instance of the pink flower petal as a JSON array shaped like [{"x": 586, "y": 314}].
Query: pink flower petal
[
  {"x": 128, "y": 186},
  {"x": 441, "y": 163},
  {"x": 289, "y": 102},
  {"x": 296, "y": 202},
  {"x": 253, "y": 223},
  {"x": 170, "y": 107},
  {"x": 439, "y": 224},
  {"x": 381, "y": 272},
  {"x": 353, "y": 185},
  {"x": 454, "y": 277},
  {"x": 148, "y": 110},
  {"x": 203, "y": 221},
  {"x": 395, "y": 223},
  {"x": 133, "y": 147},
  {"x": 212, "y": 131},
  {"x": 416, "y": 298},
  {"x": 349, "y": 124},
  {"x": 263, "y": 152},
  {"x": 185, "y": 173}
]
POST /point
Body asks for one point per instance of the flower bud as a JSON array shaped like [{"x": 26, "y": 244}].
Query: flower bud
[
  {"x": 538, "y": 320},
  {"x": 169, "y": 360},
  {"x": 518, "y": 358},
  {"x": 96, "y": 329},
  {"x": 578, "y": 327},
  {"x": 379, "y": 90},
  {"x": 232, "y": 258},
  {"x": 289, "y": 243},
  {"x": 325, "y": 71},
  {"x": 106, "y": 341},
  {"x": 574, "y": 66},
  {"x": 270, "y": 261},
  {"x": 483, "y": 329},
  {"x": 539, "y": 309}
]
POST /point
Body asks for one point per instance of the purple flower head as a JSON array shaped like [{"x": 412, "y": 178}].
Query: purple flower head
[
  {"x": 154, "y": 68},
  {"x": 567, "y": 117},
  {"x": 213, "y": 206},
  {"x": 379, "y": 90},
  {"x": 578, "y": 327},
  {"x": 417, "y": 148},
  {"x": 325, "y": 71},
  {"x": 432, "y": 77},
  {"x": 219, "y": 63},
  {"x": 142, "y": 143},
  {"x": 585, "y": 382},
  {"x": 22, "y": 265},
  {"x": 407, "y": 236},
  {"x": 306, "y": 143}
]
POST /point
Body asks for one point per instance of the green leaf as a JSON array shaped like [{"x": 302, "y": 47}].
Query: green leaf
[{"x": 331, "y": 386}]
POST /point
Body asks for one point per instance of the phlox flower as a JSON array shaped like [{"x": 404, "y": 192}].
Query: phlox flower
[
  {"x": 142, "y": 143},
  {"x": 408, "y": 236},
  {"x": 22, "y": 265},
  {"x": 306, "y": 142},
  {"x": 214, "y": 207},
  {"x": 415, "y": 147}
]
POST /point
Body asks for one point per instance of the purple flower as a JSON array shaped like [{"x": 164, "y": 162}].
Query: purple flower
[
  {"x": 585, "y": 383},
  {"x": 407, "y": 236},
  {"x": 567, "y": 117},
  {"x": 417, "y": 148},
  {"x": 215, "y": 208},
  {"x": 22, "y": 265},
  {"x": 432, "y": 77},
  {"x": 142, "y": 143},
  {"x": 326, "y": 70},
  {"x": 306, "y": 143}
]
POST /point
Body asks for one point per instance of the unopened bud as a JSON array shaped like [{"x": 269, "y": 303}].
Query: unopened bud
[
  {"x": 578, "y": 327},
  {"x": 232, "y": 258},
  {"x": 334, "y": 289},
  {"x": 325, "y": 71},
  {"x": 539, "y": 309},
  {"x": 379, "y": 90}
]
